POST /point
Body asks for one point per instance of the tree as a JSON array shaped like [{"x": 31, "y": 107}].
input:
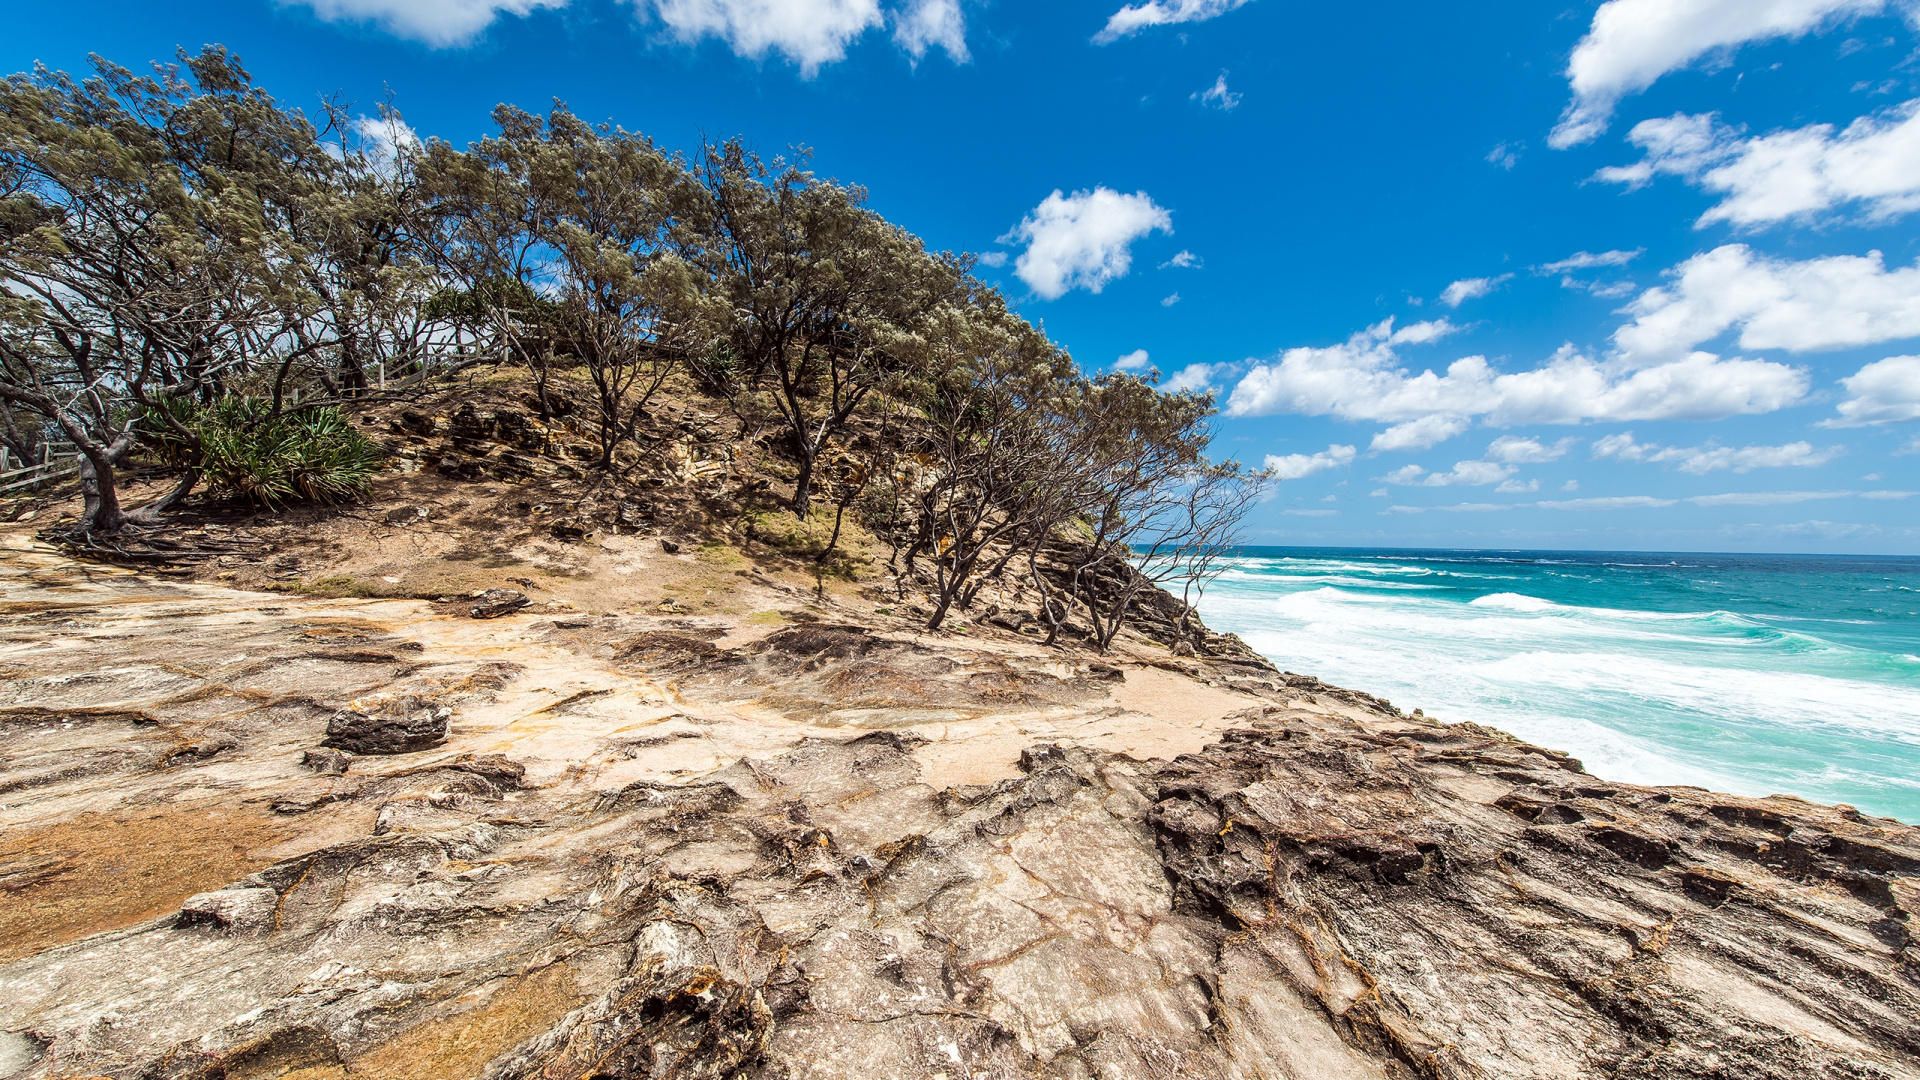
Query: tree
[
  {"x": 815, "y": 302},
  {"x": 994, "y": 431},
  {"x": 129, "y": 263}
]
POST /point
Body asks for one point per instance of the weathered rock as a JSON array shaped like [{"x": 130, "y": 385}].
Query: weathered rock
[
  {"x": 657, "y": 885},
  {"x": 669, "y": 547},
  {"x": 238, "y": 910},
  {"x": 327, "y": 761},
  {"x": 497, "y": 602},
  {"x": 398, "y": 724}
]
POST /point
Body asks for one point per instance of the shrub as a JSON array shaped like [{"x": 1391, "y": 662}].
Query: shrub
[{"x": 312, "y": 455}]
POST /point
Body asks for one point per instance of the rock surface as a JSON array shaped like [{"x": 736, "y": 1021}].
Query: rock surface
[{"x": 657, "y": 847}]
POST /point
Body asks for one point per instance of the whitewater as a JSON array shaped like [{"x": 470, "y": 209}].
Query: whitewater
[{"x": 1752, "y": 674}]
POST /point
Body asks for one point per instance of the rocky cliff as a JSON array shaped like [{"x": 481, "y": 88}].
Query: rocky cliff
[{"x": 250, "y": 837}]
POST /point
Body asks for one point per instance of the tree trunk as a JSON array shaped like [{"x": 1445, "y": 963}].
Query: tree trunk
[
  {"x": 839, "y": 512},
  {"x": 100, "y": 497},
  {"x": 803, "y": 485},
  {"x": 150, "y": 513}
]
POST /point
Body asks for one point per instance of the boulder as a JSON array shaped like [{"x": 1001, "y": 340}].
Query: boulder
[{"x": 400, "y": 725}]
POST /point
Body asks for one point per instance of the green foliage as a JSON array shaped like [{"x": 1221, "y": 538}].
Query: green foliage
[{"x": 312, "y": 455}]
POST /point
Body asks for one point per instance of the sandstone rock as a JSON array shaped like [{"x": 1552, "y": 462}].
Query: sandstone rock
[
  {"x": 497, "y": 602},
  {"x": 235, "y": 910},
  {"x": 401, "y": 724},
  {"x": 327, "y": 761}
]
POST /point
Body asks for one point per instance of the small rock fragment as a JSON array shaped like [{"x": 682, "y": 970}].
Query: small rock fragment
[
  {"x": 241, "y": 911},
  {"x": 497, "y": 602},
  {"x": 399, "y": 725},
  {"x": 327, "y": 761},
  {"x": 669, "y": 547}
]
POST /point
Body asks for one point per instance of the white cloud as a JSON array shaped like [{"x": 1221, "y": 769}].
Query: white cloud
[
  {"x": 1571, "y": 485},
  {"x": 1799, "y": 174},
  {"x": 1362, "y": 380},
  {"x": 1470, "y": 288},
  {"x": 1882, "y": 392},
  {"x": 994, "y": 258},
  {"x": 1517, "y": 487},
  {"x": 1587, "y": 260},
  {"x": 1133, "y": 361},
  {"x": 1218, "y": 96},
  {"x": 1504, "y": 156},
  {"x": 1311, "y": 513},
  {"x": 1821, "y": 303},
  {"x": 1419, "y": 434},
  {"x": 808, "y": 32},
  {"x": 1137, "y": 17},
  {"x": 1632, "y": 43},
  {"x": 1463, "y": 474},
  {"x": 1767, "y": 498},
  {"x": 1515, "y": 450},
  {"x": 1295, "y": 466},
  {"x": 439, "y": 23},
  {"x": 1457, "y": 508},
  {"x": 1184, "y": 260},
  {"x": 1083, "y": 240},
  {"x": 922, "y": 24},
  {"x": 1170, "y": 299},
  {"x": 383, "y": 136},
  {"x": 1701, "y": 460},
  {"x": 1611, "y": 502},
  {"x": 1196, "y": 377}
]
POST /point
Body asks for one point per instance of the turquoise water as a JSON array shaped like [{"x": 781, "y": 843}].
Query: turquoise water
[{"x": 1754, "y": 674}]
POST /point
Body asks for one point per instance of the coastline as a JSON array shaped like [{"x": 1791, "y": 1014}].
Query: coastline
[{"x": 873, "y": 852}]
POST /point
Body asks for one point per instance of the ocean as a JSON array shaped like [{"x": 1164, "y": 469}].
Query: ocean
[{"x": 1752, "y": 674}]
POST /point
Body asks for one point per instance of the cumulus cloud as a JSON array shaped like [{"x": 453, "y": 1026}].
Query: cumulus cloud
[
  {"x": 810, "y": 33},
  {"x": 1632, "y": 43},
  {"x": 1883, "y": 392},
  {"x": 1463, "y": 474},
  {"x": 1504, "y": 156},
  {"x": 923, "y": 24},
  {"x": 1137, "y": 17},
  {"x": 1184, "y": 260},
  {"x": 1362, "y": 379},
  {"x": 1470, "y": 288},
  {"x": 1170, "y": 299},
  {"x": 1518, "y": 451},
  {"x": 1295, "y": 466},
  {"x": 439, "y": 23},
  {"x": 1701, "y": 460},
  {"x": 1196, "y": 377},
  {"x": 1083, "y": 240},
  {"x": 1822, "y": 303},
  {"x": 1802, "y": 174},
  {"x": 994, "y": 258},
  {"x": 1133, "y": 361},
  {"x": 1419, "y": 434},
  {"x": 1218, "y": 96}
]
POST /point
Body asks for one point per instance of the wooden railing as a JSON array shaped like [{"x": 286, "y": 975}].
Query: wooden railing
[{"x": 57, "y": 461}]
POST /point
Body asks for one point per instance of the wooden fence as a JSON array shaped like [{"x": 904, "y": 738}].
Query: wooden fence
[{"x": 57, "y": 461}]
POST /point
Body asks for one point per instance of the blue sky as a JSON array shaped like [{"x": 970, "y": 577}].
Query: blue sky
[{"x": 1640, "y": 274}]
